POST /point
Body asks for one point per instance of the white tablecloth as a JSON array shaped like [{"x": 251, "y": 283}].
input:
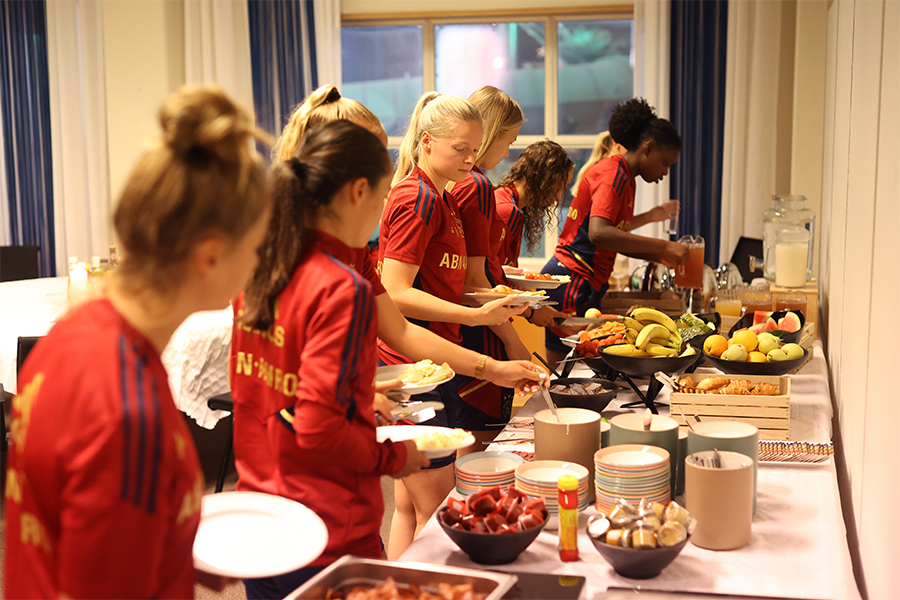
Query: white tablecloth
[
  {"x": 196, "y": 357},
  {"x": 798, "y": 547}
]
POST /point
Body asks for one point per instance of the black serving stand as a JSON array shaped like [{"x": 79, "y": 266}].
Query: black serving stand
[{"x": 628, "y": 368}]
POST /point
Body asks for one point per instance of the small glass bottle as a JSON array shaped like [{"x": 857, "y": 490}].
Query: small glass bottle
[
  {"x": 113, "y": 259},
  {"x": 788, "y": 214},
  {"x": 96, "y": 268}
]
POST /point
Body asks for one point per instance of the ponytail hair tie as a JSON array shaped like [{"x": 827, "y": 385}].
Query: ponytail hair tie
[
  {"x": 333, "y": 96},
  {"x": 298, "y": 168},
  {"x": 197, "y": 154}
]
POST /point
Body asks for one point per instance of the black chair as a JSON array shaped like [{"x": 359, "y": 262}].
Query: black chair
[
  {"x": 19, "y": 262},
  {"x": 25, "y": 345},
  {"x": 224, "y": 402}
]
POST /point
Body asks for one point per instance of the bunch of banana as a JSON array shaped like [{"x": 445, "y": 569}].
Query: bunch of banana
[{"x": 649, "y": 332}]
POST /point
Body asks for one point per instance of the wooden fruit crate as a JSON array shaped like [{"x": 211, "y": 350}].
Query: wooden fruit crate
[
  {"x": 667, "y": 301},
  {"x": 770, "y": 414}
]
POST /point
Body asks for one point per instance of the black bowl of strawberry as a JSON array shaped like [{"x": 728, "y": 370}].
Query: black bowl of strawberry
[{"x": 493, "y": 526}]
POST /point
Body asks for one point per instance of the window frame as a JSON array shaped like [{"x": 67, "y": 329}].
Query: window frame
[{"x": 428, "y": 22}]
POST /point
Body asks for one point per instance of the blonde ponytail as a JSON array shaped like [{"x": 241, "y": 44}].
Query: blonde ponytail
[
  {"x": 439, "y": 115},
  {"x": 604, "y": 147},
  {"x": 323, "y": 105}
]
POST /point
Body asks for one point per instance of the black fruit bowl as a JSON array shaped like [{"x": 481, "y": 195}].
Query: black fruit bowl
[
  {"x": 714, "y": 318},
  {"x": 491, "y": 548},
  {"x": 638, "y": 564},
  {"x": 640, "y": 366},
  {"x": 786, "y": 337},
  {"x": 735, "y": 367},
  {"x": 596, "y": 402}
]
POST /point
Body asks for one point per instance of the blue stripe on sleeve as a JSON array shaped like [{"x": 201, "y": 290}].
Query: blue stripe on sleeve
[
  {"x": 126, "y": 421},
  {"x": 353, "y": 347},
  {"x": 142, "y": 430},
  {"x": 432, "y": 197},
  {"x": 157, "y": 447}
]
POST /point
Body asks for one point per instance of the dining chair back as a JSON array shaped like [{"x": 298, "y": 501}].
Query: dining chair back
[
  {"x": 19, "y": 262},
  {"x": 224, "y": 402}
]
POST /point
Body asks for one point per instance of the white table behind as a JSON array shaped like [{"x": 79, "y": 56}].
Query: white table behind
[{"x": 196, "y": 358}]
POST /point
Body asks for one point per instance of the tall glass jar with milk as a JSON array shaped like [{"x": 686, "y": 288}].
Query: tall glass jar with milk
[{"x": 796, "y": 226}]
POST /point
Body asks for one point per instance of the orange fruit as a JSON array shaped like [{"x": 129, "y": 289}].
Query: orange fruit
[
  {"x": 715, "y": 345},
  {"x": 756, "y": 357},
  {"x": 746, "y": 338}
]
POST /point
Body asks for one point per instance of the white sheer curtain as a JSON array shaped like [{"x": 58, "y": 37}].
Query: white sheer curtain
[
  {"x": 81, "y": 201},
  {"x": 217, "y": 47},
  {"x": 751, "y": 106},
  {"x": 651, "y": 81},
  {"x": 327, "y": 20}
]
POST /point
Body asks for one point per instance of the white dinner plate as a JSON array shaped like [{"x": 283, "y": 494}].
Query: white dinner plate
[
  {"x": 248, "y": 535},
  {"x": 531, "y": 300},
  {"x": 389, "y": 372},
  {"x": 399, "y": 433},
  {"x": 538, "y": 284}
]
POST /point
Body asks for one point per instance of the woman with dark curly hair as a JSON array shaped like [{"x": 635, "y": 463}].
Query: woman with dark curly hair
[
  {"x": 529, "y": 194},
  {"x": 601, "y": 217}
]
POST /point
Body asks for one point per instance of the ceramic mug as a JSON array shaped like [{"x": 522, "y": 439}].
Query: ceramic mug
[
  {"x": 575, "y": 437},
  {"x": 734, "y": 436},
  {"x": 720, "y": 499}
]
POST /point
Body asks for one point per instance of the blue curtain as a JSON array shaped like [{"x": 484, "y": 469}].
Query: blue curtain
[
  {"x": 698, "y": 56},
  {"x": 25, "y": 114},
  {"x": 277, "y": 55}
]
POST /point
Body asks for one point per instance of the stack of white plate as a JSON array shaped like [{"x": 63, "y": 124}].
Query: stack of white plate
[
  {"x": 540, "y": 479},
  {"x": 631, "y": 472},
  {"x": 480, "y": 470}
]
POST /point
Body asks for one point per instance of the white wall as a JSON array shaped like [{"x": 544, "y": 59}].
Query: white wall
[
  {"x": 859, "y": 273},
  {"x": 144, "y": 63}
]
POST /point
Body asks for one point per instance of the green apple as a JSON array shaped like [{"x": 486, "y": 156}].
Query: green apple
[
  {"x": 776, "y": 355},
  {"x": 735, "y": 352},
  {"x": 793, "y": 351},
  {"x": 767, "y": 342}
]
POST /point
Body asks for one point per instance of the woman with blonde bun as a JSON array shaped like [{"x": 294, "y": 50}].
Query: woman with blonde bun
[
  {"x": 104, "y": 486},
  {"x": 324, "y": 105},
  {"x": 423, "y": 267}
]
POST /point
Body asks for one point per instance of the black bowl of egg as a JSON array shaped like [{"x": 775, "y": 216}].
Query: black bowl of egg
[{"x": 591, "y": 393}]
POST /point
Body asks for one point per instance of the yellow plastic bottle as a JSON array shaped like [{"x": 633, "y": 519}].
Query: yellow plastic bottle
[{"x": 568, "y": 517}]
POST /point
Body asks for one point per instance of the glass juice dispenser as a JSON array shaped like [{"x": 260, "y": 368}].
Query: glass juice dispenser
[{"x": 792, "y": 225}]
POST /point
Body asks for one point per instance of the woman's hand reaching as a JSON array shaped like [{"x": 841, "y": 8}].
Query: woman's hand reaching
[{"x": 497, "y": 311}]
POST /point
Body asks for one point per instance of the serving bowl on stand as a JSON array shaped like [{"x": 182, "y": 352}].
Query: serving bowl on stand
[
  {"x": 642, "y": 367},
  {"x": 596, "y": 402}
]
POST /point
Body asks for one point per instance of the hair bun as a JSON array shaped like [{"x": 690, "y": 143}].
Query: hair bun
[{"x": 202, "y": 124}]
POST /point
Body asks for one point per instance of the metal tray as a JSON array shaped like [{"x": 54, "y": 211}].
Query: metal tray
[{"x": 352, "y": 571}]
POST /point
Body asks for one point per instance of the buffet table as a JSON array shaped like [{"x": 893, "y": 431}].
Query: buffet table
[
  {"x": 196, "y": 357},
  {"x": 798, "y": 547}
]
